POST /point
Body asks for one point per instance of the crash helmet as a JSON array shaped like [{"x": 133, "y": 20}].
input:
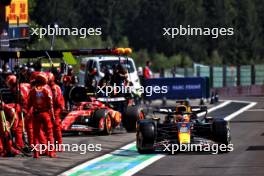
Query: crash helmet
[
  {"x": 69, "y": 67},
  {"x": 70, "y": 70},
  {"x": 41, "y": 78},
  {"x": 30, "y": 64},
  {"x": 33, "y": 76},
  {"x": 24, "y": 70},
  {"x": 51, "y": 77},
  {"x": 186, "y": 118},
  {"x": 25, "y": 67},
  {"x": 31, "y": 70},
  {"x": 9, "y": 71},
  {"x": 11, "y": 81},
  {"x": 16, "y": 68},
  {"x": 6, "y": 67}
]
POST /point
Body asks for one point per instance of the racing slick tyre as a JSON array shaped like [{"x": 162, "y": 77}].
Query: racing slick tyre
[
  {"x": 131, "y": 116},
  {"x": 103, "y": 121},
  {"x": 221, "y": 132},
  {"x": 146, "y": 135}
]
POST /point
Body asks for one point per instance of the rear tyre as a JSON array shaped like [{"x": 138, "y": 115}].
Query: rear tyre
[
  {"x": 131, "y": 116},
  {"x": 146, "y": 134},
  {"x": 221, "y": 132},
  {"x": 103, "y": 121}
]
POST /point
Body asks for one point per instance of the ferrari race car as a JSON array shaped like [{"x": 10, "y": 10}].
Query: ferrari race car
[
  {"x": 91, "y": 114},
  {"x": 182, "y": 125}
]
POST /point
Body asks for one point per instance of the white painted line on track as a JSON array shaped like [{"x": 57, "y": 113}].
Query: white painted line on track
[
  {"x": 142, "y": 165},
  {"x": 240, "y": 101},
  {"x": 73, "y": 170},
  {"x": 231, "y": 116},
  {"x": 219, "y": 106},
  {"x": 225, "y": 103},
  {"x": 256, "y": 110}
]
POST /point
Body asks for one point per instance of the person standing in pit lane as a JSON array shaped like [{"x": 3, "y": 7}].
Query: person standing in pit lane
[
  {"x": 68, "y": 81},
  {"x": 40, "y": 99},
  {"x": 58, "y": 104},
  {"x": 147, "y": 74},
  {"x": 20, "y": 102},
  {"x": 9, "y": 121}
]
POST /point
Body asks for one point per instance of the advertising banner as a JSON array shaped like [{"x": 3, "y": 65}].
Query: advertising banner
[{"x": 180, "y": 88}]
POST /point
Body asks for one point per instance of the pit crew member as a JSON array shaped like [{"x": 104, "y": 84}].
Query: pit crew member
[{"x": 40, "y": 99}]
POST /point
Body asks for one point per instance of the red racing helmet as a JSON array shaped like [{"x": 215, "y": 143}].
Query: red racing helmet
[
  {"x": 51, "y": 77},
  {"x": 41, "y": 78},
  {"x": 11, "y": 81}
]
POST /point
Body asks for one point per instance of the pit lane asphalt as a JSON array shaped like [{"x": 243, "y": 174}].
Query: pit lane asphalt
[
  {"x": 246, "y": 128},
  {"x": 66, "y": 160}
]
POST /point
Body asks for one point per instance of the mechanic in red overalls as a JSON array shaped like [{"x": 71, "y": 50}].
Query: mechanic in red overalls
[
  {"x": 68, "y": 82},
  {"x": 147, "y": 73},
  {"x": 21, "y": 94},
  {"x": 42, "y": 139},
  {"x": 8, "y": 120},
  {"x": 58, "y": 104},
  {"x": 40, "y": 99}
]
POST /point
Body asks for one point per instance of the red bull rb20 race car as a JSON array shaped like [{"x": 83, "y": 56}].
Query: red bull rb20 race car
[{"x": 182, "y": 126}]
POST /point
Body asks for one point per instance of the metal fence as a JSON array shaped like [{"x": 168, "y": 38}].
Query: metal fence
[{"x": 225, "y": 76}]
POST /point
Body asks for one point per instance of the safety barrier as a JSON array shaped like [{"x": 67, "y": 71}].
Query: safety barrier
[
  {"x": 240, "y": 80},
  {"x": 252, "y": 90}
]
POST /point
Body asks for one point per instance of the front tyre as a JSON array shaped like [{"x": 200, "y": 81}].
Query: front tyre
[{"x": 146, "y": 134}]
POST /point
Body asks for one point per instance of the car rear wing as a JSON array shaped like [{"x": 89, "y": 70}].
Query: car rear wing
[
  {"x": 172, "y": 111},
  {"x": 199, "y": 109}
]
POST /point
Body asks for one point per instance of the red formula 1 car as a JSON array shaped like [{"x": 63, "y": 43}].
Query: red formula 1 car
[{"x": 89, "y": 114}]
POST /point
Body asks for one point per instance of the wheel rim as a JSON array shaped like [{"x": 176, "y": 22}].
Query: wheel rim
[
  {"x": 108, "y": 123},
  {"x": 101, "y": 123}
]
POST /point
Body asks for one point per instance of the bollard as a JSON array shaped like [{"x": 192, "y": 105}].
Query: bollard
[
  {"x": 202, "y": 101},
  {"x": 212, "y": 99},
  {"x": 216, "y": 97},
  {"x": 164, "y": 101}
]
